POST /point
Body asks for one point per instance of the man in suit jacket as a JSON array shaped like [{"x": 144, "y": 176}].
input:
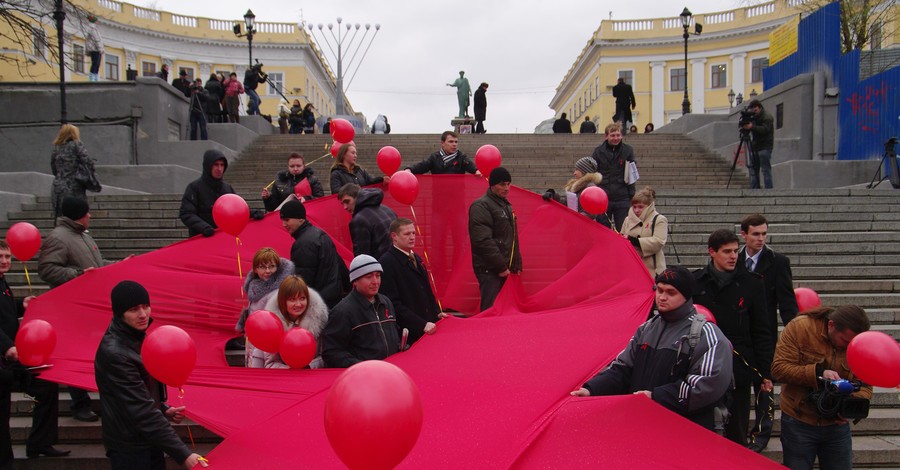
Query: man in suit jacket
[
  {"x": 775, "y": 270},
  {"x": 405, "y": 281}
]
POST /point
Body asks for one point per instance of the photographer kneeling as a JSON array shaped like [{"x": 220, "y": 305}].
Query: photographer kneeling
[
  {"x": 813, "y": 346},
  {"x": 762, "y": 127}
]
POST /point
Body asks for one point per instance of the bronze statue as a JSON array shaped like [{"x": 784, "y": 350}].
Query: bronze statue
[{"x": 463, "y": 91}]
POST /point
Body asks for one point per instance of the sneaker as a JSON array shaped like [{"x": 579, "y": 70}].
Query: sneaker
[{"x": 85, "y": 415}]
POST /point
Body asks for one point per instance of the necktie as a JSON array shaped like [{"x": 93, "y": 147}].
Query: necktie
[
  {"x": 412, "y": 260},
  {"x": 750, "y": 264}
]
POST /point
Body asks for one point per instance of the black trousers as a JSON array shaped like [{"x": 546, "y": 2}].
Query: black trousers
[
  {"x": 489, "y": 285},
  {"x": 479, "y": 127},
  {"x": 44, "y": 421},
  {"x": 6, "y": 452},
  {"x": 739, "y": 423},
  {"x": 765, "y": 406},
  {"x": 616, "y": 213}
]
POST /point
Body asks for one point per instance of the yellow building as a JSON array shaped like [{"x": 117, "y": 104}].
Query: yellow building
[
  {"x": 729, "y": 54},
  {"x": 143, "y": 40}
]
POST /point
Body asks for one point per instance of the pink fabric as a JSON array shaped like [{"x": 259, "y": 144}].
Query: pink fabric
[{"x": 494, "y": 386}]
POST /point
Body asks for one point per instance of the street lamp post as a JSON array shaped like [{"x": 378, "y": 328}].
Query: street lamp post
[
  {"x": 339, "y": 45},
  {"x": 730, "y": 99},
  {"x": 59, "y": 14},
  {"x": 250, "y": 23},
  {"x": 686, "y": 23}
]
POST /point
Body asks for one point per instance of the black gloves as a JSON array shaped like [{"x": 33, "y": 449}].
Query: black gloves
[
  {"x": 634, "y": 241},
  {"x": 208, "y": 231},
  {"x": 550, "y": 194},
  {"x": 257, "y": 214}
]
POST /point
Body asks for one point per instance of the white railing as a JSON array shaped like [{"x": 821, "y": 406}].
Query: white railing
[
  {"x": 794, "y": 3},
  {"x": 186, "y": 21},
  {"x": 275, "y": 28},
  {"x": 635, "y": 25},
  {"x": 221, "y": 25},
  {"x": 718, "y": 18},
  {"x": 146, "y": 14},
  {"x": 672, "y": 23},
  {"x": 110, "y": 5},
  {"x": 764, "y": 9}
]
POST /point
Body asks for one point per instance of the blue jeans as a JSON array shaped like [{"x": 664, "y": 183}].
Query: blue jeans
[
  {"x": 198, "y": 120},
  {"x": 803, "y": 442},
  {"x": 764, "y": 163},
  {"x": 253, "y": 105}
]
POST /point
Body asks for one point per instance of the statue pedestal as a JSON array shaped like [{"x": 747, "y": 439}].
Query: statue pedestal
[{"x": 464, "y": 125}]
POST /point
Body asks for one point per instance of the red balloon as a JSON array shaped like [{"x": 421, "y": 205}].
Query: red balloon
[
  {"x": 231, "y": 213},
  {"x": 298, "y": 348},
  {"x": 594, "y": 200},
  {"x": 24, "y": 240},
  {"x": 342, "y": 131},
  {"x": 169, "y": 355},
  {"x": 335, "y": 146},
  {"x": 388, "y": 159},
  {"x": 874, "y": 357},
  {"x": 806, "y": 298},
  {"x": 705, "y": 312},
  {"x": 373, "y": 415},
  {"x": 404, "y": 187},
  {"x": 264, "y": 329},
  {"x": 487, "y": 158},
  {"x": 35, "y": 342}
]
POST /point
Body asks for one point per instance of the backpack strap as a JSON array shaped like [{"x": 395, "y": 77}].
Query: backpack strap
[
  {"x": 652, "y": 231},
  {"x": 697, "y": 322}
]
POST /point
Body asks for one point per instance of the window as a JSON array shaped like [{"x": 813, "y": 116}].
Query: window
[
  {"x": 78, "y": 58},
  {"x": 876, "y": 36},
  {"x": 628, "y": 75},
  {"x": 189, "y": 71},
  {"x": 148, "y": 69},
  {"x": 718, "y": 76},
  {"x": 277, "y": 78},
  {"x": 677, "y": 79},
  {"x": 111, "y": 63},
  {"x": 38, "y": 42},
  {"x": 756, "y": 68}
]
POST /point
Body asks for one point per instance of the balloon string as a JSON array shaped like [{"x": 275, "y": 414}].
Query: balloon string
[
  {"x": 27, "y": 278},
  {"x": 181, "y": 402},
  {"x": 427, "y": 260},
  {"x": 317, "y": 159},
  {"x": 237, "y": 242}
]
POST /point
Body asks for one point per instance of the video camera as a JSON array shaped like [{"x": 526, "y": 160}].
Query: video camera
[
  {"x": 747, "y": 117},
  {"x": 833, "y": 400}
]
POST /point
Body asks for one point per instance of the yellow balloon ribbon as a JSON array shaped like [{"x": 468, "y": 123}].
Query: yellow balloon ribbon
[
  {"x": 28, "y": 279},
  {"x": 427, "y": 261},
  {"x": 237, "y": 241}
]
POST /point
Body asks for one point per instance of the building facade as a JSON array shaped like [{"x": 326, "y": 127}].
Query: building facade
[{"x": 142, "y": 40}]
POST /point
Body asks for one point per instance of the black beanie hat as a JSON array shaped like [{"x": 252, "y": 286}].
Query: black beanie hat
[
  {"x": 499, "y": 175},
  {"x": 126, "y": 295},
  {"x": 293, "y": 209},
  {"x": 679, "y": 278},
  {"x": 74, "y": 208}
]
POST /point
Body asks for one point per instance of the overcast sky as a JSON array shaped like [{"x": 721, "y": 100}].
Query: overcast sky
[{"x": 522, "y": 48}]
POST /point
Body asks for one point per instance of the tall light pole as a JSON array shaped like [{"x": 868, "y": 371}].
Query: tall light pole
[
  {"x": 340, "y": 44},
  {"x": 59, "y": 14},
  {"x": 250, "y": 24},
  {"x": 686, "y": 23}
]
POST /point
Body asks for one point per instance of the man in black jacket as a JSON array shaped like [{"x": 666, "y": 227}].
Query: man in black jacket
[
  {"x": 494, "y": 238},
  {"x": 182, "y": 83},
  {"x": 762, "y": 127},
  {"x": 624, "y": 103},
  {"x": 202, "y": 193},
  {"x": 588, "y": 126},
  {"x": 252, "y": 78},
  {"x": 612, "y": 157},
  {"x": 480, "y": 107},
  {"x": 562, "y": 125},
  {"x": 297, "y": 180},
  {"x": 314, "y": 256},
  {"x": 363, "y": 326},
  {"x": 737, "y": 299},
  {"x": 371, "y": 222},
  {"x": 448, "y": 160},
  {"x": 136, "y": 429},
  {"x": 198, "y": 97},
  {"x": 44, "y": 424},
  {"x": 775, "y": 269},
  {"x": 405, "y": 281}
]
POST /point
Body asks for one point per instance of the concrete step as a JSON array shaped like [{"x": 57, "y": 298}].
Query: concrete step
[
  {"x": 86, "y": 457},
  {"x": 868, "y": 451}
]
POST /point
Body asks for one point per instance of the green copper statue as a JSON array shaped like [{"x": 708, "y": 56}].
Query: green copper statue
[{"x": 463, "y": 91}]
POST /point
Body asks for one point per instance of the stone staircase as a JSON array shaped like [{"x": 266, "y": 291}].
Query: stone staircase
[{"x": 844, "y": 243}]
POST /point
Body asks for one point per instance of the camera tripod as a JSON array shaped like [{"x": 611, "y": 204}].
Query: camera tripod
[
  {"x": 752, "y": 159},
  {"x": 889, "y": 157}
]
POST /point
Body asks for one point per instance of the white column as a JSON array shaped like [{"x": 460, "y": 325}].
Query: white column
[
  {"x": 738, "y": 72},
  {"x": 698, "y": 90},
  {"x": 657, "y": 93},
  {"x": 205, "y": 70}
]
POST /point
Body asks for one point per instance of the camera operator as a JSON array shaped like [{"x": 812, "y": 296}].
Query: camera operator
[
  {"x": 813, "y": 345},
  {"x": 199, "y": 95},
  {"x": 762, "y": 127},
  {"x": 252, "y": 78}
]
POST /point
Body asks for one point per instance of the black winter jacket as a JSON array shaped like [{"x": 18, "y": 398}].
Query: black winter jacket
[
  {"x": 10, "y": 311},
  {"x": 775, "y": 270},
  {"x": 740, "y": 311},
  {"x": 201, "y": 194},
  {"x": 340, "y": 176},
  {"x": 359, "y": 330},
  {"x": 131, "y": 399},
  {"x": 409, "y": 289},
  {"x": 284, "y": 187},
  {"x": 493, "y": 235},
  {"x": 434, "y": 163},
  {"x": 611, "y": 164},
  {"x": 480, "y": 106},
  {"x": 316, "y": 260},
  {"x": 371, "y": 223}
]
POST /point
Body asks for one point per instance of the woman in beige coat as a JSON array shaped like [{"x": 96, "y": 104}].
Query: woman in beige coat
[{"x": 647, "y": 230}]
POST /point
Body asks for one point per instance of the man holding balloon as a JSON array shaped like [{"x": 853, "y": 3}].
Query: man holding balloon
[
  {"x": 448, "y": 160},
  {"x": 136, "y": 429}
]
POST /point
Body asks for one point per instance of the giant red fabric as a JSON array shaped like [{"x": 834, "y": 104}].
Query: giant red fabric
[{"x": 494, "y": 386}]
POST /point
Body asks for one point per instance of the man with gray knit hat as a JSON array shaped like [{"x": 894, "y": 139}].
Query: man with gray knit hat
[
  {"x": 676, "y": 358},
  {"x": 136, "y": 429},
  {"x": 363, "y": 326},
  {"x": 494, "y": 237}
]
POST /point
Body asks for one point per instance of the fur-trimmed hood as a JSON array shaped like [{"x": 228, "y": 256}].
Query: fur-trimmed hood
[
  {"x": 314, "y": 320},
  {"x": 256, "y": 288},
  {"x": 576, "y": 185}
]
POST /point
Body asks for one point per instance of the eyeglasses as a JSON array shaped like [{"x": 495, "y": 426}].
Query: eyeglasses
[{"x": 270, "y": 267}]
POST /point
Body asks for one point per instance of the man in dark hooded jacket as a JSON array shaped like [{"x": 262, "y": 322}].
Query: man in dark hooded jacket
[
  {"x": 298, "y": 180},
  {"x": 370, "y": 227},
  {"x": 202, "y": 193}
]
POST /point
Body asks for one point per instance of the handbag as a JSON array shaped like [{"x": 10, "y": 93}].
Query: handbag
[{"x": 86, "y": 176}]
